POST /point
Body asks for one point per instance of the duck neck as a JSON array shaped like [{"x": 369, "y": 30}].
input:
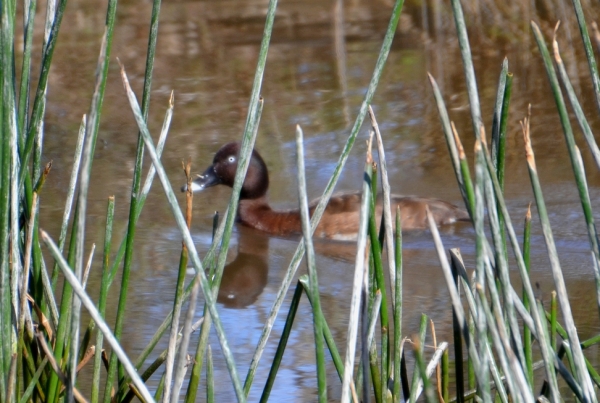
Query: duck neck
[{"x": 257, "y": 213}]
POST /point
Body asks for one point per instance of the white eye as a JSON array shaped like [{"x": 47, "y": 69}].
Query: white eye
[{"x": 231, "y": 159}]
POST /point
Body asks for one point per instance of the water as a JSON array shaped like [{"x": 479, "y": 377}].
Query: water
[{"x": 316, "y": 76}]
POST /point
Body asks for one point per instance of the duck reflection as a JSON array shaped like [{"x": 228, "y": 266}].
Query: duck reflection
[{"x": 245, "y": 278}]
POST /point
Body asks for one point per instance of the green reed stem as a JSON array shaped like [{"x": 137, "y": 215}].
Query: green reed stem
[
  {"x": 104, "y": 285},
  {"x": 173, "y": 338},
  {"x": 590, "y": 342},
  {"x": 134, "y": 207},
  {"x": 527, "y": 340},
  {"x": 483, "y": 389},
  {"x": 10, "y": 140},
  {"x": 422, "y": 373},
  {"x": 61, "y": 342},
  {"x": 64, "y": 319},
  {"x": 36, "y": 288},
  {"x": 335, "y": 355},
  {"x": 210, "y": 378},
  {"x": 5, "y": 310},
  {"x": 498, "y": 110},
  {"x": 404, "y": 374},
  {"x": 500, "y": 146},
  {"x": 469, "y": 70},
  {"x": 160, "y": 388},
  {"x": 419, "y": 344},
  {"x": 370, "y": 346},
  {"x": 147, "y": 185},
  {"x": 500, "y": 158},
  {"x": 499, "y": 132},
  {"x": 467, "y": 286},
  {"x": 593, "y": 373},
  {"x": 128, "y": 259},
  {"x": 367, "y": 357},
  {"x": 457, "y": 155},
  {"x": 501, "y": 278},
  {"x": 29, "y": 7},
  {"x": 446, "y": 376},
  {"x": 70, "y": 195},
  {"x": 85, "y": 341},
  {"x": 248, "y": 142},
  {"x": 182, "y": 361},
  {"x": 156, "y": 364},
  {"x": 398, "y": 309},
  {"x": 194, "y": 380},
  {"x": 79, "y": 222},
  {"x": 357, "y": 284},
  {"x": 28, "y": 392},
  {"x": 589, "y": 51},
  {"x": 581, "y": 119},
  {"x": 456, "y": 328},
  {"x": 553, "y": 321},
  {"x": 79, "y": 228},
  {"x": 150, "y": 58},
  {"x": 39, "y": 103},
  {"x": 121, "y": 252},
  {"x": 31, "y": 365},
  {"x": 285, "y": 335},
  {"x": 386, "y": 222},
  {"x": 22, "y": 310},
  {"x": 382, "y": 287},
  {"x": 312, "y": 271},
  {"x": 24, "y": 286}
]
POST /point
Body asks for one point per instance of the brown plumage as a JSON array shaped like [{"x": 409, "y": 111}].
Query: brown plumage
[{"x": 340, "y": 219}]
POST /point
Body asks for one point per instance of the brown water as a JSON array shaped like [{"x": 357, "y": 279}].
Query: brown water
[{"x": 316, "y": 76}]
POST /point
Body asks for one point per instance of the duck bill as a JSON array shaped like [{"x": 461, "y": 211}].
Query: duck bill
[{"x": 206, "y": 180}]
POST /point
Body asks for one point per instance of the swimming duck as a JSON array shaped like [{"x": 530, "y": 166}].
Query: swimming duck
[{"x": 341, "y": 216}]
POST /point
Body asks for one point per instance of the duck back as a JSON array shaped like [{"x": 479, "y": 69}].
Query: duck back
[{"x": 340, "y": 220}]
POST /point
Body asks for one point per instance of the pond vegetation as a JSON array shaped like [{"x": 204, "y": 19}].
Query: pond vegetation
[{"x": 502, "y": 330}]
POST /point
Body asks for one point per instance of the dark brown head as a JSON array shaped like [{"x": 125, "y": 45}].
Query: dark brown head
[{"x": 222, "y": 172}]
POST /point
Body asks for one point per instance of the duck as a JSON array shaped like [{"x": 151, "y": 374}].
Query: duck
[{"x": 340, "y": 220}]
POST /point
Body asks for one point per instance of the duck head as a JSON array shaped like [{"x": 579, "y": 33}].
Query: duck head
[{"x": 222, "y": 172}]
